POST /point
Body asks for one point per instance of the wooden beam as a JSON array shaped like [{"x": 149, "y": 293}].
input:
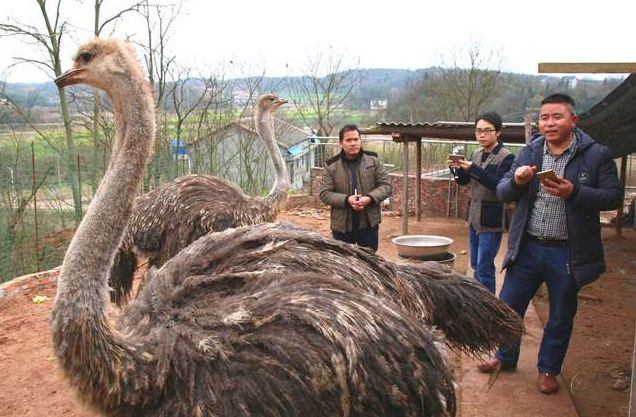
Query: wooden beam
[
  {"x": 587, "y": 67},
  {"x": 418, "y": 181},
  {"x": 405, "y": 188}
]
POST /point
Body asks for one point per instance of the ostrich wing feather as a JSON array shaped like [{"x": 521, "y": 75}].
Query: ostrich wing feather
[{"x": 471, "y": 319}]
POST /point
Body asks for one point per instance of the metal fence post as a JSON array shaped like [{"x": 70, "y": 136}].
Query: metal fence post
[{"x": 35, "y": 208}]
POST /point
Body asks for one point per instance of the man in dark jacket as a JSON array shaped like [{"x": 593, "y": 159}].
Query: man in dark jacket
[
  {"x": 486, "y": 215},
  {"x": 555, "y": 234},
  {"x": 354, "y": 184}
]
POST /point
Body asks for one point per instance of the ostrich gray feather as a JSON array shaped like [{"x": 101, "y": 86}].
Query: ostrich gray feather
[{"x": 471, "y": 319}]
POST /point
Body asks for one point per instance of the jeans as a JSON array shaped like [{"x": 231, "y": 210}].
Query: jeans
[
  {"x": 483, "y": 249},
  {"x": 367, "y": 237},
  {"x": 538, "y": 263}
]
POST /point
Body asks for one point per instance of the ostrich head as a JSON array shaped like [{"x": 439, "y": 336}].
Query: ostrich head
[
  {"x": 99, "y": 62},
  {"x": 111, "y": 65},
  {"x": 270, "y": 102}
]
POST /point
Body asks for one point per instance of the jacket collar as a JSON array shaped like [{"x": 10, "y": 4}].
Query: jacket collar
[{"x": 358, "y": 158}]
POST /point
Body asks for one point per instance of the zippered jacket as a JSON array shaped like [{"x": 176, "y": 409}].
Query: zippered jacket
[
  {"x": 373, "y": 181},
  {"x": 597, "y": 188}
]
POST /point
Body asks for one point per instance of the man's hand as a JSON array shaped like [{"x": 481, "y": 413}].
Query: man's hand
[
  {"x": 561, "y": 187},
  {"x": 462, "y": 163},
  {"x": 524, "y": 174},
  {"x": 359, "y": 202},
  {"x": 465, "y": 164}
]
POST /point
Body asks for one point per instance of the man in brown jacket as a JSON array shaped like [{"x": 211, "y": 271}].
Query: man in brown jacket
[{"x": 354, "y": 184}]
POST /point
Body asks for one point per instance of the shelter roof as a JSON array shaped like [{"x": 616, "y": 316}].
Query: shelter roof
[
  {"x": 612, "y": 121},
  {"x": 510, "y": 132}
]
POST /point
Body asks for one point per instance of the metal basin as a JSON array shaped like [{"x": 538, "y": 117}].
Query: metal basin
[
  {"x": 446, "y": 258},
  {"x": 421, "y": 245}
]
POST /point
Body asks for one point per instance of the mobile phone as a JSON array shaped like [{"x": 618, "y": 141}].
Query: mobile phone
[
  {"x": 548, "y": 174},
  {"x": 455, "y": 158}
]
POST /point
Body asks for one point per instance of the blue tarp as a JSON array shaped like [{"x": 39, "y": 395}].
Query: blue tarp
[{"x": 174, "y": 143}]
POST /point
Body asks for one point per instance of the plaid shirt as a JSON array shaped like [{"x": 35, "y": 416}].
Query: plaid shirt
[{"x": 547, "y": 219}]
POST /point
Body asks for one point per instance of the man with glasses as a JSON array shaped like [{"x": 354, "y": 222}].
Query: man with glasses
[
  {"x": 555, "y": 234},
  {"x": 486, "y": 215}
]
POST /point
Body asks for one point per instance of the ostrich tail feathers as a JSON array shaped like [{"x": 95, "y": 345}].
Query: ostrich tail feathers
[{"x": 472, "y": 319}]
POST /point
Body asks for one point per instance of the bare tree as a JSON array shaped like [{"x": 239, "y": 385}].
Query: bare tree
[
  {"x": 319, "y": 98},
  {"x": 50, "y": 38},
  {"x": 158, "y": 23},
  {"x": 159, "y": 20},
  {"x": 465, "y": 82}
]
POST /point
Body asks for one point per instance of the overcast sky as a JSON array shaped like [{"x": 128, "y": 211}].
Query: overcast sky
[{"x": 277, "y": 36}]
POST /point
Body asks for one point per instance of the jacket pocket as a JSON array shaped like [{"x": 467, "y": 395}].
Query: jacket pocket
[{"x": 491, "y": 214}]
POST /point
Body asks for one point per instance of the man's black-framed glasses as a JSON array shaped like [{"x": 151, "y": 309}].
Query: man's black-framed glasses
[{"x": 487, "y": 131}]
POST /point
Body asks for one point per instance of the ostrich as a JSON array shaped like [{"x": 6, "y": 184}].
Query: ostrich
[
  {"x": 244, "y": 322},
  {"x": 172, "y": 216}
]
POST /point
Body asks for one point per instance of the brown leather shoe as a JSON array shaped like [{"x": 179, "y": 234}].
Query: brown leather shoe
[
  {"x": 547, "y": 383},
  {"x": 493, "y": 365}
]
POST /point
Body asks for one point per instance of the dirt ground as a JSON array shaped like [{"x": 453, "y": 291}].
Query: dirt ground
[{"x": 597, "y": 368}]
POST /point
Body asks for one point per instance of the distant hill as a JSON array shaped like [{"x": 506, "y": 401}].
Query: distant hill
[{"x": 517, "y": 93}]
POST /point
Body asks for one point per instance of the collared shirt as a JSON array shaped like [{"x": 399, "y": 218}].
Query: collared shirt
[
  {"x": 547, "y": 219},
  {"x": 352, "y": 166}
]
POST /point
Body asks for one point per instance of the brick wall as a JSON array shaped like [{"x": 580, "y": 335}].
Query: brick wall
[{"x": 435, "y": 195}]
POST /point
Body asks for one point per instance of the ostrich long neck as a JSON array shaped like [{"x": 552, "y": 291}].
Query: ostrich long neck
[
  {"x": 265, "y": 129},
  {"x": 88, "y": 350}
]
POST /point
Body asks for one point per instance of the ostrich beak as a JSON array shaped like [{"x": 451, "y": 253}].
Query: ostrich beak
[
  {"x": 69, "y": 77},
  {"x": 281, "y": 101}
]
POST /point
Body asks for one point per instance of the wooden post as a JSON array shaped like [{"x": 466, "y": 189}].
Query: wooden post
[
  {"x": 528, "y": 126},
  {"x": 632, "y": 390},
  {"x": 34, "y": 190},
  {"x": 79, "y": 186},
  {"x": 418, "y": 180},
  {"x": 405, "y": 187},
  {"x": 619, "y": 212}
]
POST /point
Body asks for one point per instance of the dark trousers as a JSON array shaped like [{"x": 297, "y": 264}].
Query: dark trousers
[
  {"x": 537, "y": 263},
  {"x": 367, "y": 237}
]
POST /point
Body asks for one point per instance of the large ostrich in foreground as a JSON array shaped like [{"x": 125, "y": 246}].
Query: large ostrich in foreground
[
  {"x": 170, "y": 217},
  {"x": 229, "y": 326}
]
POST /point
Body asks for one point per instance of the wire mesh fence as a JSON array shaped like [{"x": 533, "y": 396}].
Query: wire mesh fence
[{"x": 39, "y": 210}]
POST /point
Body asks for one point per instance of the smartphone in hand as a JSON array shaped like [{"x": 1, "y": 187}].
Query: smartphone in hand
[{"x": 548, "y": 174}]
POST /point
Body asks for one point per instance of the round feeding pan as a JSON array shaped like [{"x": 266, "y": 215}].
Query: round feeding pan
[{"x": 421, "y": 245}]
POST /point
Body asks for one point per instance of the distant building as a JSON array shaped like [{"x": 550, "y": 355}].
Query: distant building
[
  {"x": 569, "y": 81},
  {"x": 378, "y": 104},
  {"x": 235, "y": 152},
  {"x": 240, "y": 97}
]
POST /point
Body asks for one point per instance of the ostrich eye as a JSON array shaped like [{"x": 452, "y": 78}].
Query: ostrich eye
[{"x": 85, "y": 56}]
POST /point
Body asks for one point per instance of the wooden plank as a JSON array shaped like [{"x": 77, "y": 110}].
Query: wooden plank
[
  {"x": 405, "y": 188},
  {"x": 632, "y": 390},
  {"x": 418, "y": 181},
  {"x": 587, "y": 67}
]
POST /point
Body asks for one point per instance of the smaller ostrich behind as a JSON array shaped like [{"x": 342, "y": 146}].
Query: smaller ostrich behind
[{"x": 170, "y": 217}]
